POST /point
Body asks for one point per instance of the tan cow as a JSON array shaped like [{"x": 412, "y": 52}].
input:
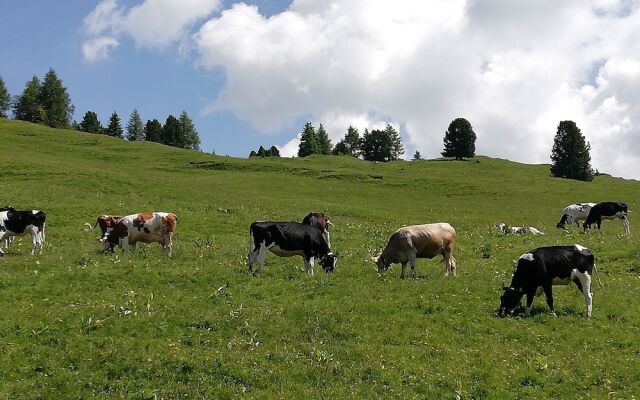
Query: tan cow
[
  {"x": 156, "y": 227},
  {"x": 418, "y": 241}
]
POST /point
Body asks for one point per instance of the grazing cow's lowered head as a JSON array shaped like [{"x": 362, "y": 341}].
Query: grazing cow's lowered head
[
  {"x": 509, "y": 300},
  {"x": 328, "y": 263}
]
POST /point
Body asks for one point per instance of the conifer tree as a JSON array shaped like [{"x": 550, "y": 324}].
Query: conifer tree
[
  {"x": 153, "y": 131},
  {"x": 397, "y": 149},
  {"x": 114, "y": 128},
  {"x": 135, "y": 127},
  {"x": 273, "y": 151},
  {"x": 350, "y": 145},
  {"x": 417, "y": 155},
  {"x": 90, "y": 123},
  {"x": 26, "y": 106},
  {"x": 172, "y": 132},
  {"x": 190, "y": 138},
  {"x": 308, "y": 141},
  {"x": 459, "y": 140},
  {"x": 570, "y": 153},
  {"x": 55, "y": 101},
  {"x": 5, "y": 99},
  {"x": 324, "y": 143}
]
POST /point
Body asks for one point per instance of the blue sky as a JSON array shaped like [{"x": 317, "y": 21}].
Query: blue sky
[{"x": 253, "y": 73}]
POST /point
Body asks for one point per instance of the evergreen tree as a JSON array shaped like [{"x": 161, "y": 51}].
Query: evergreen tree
[
  {"x": 190, "y": 137},
  {"x": 459, "y": 140},
  {"x": 273, "y": 151},
  {"x": 55, "y": 101},
  {"x": 90, "y": 123},
  {"x": 26, "y": 106},
  {"x": 570, "y": 153},
  {"x": 5, "y": 99},
  {"x": 253, "y": 154},
  {"x": 308, "y": 141},
  {"x": 262, "y": 152},
  {"x": 75, "y": 125},
  {"x": 114, "y": 128},
  {"x": 172, "y": 132},
  {"x": 417, "y": 156},
  {"x": 135, "y": 127},
  {"x": 397, "y": 149},
  {"x": 350, "y": 145},
  {"x": 376, "y": 146},
  {"x": 324, "y": 143},
  {"x": 153, "y": 131}
]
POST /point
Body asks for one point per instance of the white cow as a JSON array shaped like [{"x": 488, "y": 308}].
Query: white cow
[
  {"x": 574, "y": 213},
  {"x": 519, "y": 230}
]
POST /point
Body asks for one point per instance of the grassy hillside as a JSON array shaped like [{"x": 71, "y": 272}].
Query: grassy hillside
[{"x": 77, "y": 324}]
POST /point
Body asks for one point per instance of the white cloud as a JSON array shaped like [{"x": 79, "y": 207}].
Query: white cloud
[
  {"x": 513, "y": 69},
  {"x": 152, "y": 24},
  {"x": 98, "y": 48}
]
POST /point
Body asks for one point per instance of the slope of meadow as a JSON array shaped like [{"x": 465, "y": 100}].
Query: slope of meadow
[{"x": 76, "y": 323}]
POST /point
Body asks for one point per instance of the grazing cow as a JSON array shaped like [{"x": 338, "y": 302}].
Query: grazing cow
[
  {"x": 539, "y": 269},
  {"x": 286, "y": 239},
  {"x": 14, "y": 223},
  {"x": 320, "y": 221},
  {"x": 105, "y": 222},
  {"x": 156, "y": 227},
  {"x": 607, "y": 210},
  {"x": 418, "y": 241},
  {"x": 518, "y": 230},
  {"x": 9, "y": 239},
  {"x": 574, "y": 213}
]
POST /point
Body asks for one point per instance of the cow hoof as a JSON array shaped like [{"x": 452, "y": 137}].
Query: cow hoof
[{"x": 553, "y": 314}]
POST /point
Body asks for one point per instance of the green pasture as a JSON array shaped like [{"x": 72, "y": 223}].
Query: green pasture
[{"x": 78, "y": 324}]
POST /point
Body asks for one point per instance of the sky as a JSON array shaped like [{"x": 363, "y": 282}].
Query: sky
[{"x": 252, "y": 73}]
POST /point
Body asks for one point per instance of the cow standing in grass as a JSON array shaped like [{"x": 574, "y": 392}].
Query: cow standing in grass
[
  {"x": 538, "y": 270},
  {"x": 106, "y": 224},
  {"x": 419, "y": 241},
  {"x": 574, "y": 213},
  {"x": 15, "y": 223},
  {"x": 607, "y": 210},
  {"x": 320, "y": 221},
  {"x": 156, "y": 227}
]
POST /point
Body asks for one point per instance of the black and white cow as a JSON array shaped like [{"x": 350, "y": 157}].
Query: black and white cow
[
  {"x": 320, "y": 221},
  {"x": 286, "y": 239},
  {"x": 574, "y": 213},
  {"x": 14, "y": 223},
  {"x": 607, "y": 210},
  {"x": 539, "y": 269}
]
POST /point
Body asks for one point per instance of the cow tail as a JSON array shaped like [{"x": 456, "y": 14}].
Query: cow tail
[
  {"x": 88, "y": 226},
  {"x": 598, "y": 277}
]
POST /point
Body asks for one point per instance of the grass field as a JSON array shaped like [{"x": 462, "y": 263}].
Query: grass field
[{"x": 75, "y": 323}]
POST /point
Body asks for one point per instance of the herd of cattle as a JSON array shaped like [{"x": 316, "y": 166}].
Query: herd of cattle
[{"x": 535, "y": 272}]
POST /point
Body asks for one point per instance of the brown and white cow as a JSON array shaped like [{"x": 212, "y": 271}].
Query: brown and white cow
[
  {"x": 320, "y": 221},
  {"x": 150, "y": 227},
  {"x": 105, "y": 222},
  {"x": 419, "y": 241}
]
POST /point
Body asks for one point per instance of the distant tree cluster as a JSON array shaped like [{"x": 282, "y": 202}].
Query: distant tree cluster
[
  {"x": 176, "y": 132},
  {"x": 270, "y": 152},
  {"x": 42, "y": 102}
]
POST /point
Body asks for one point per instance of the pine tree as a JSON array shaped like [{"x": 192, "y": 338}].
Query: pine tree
[
  {"x": 350, "y": 145},
  {"x": 459, "y": 140},
  {"x": 253, "y": 154},
  {"x": 55, "y": 101},
  {"x": 190, "y": 137},
  {"x": 262, "y": 152},
  {"x": 153, "y": 131},
  {"x": 308, "y": 141},
  {"x": 417, "y": 155},
  {"x": 324, "y": 143},
  {"x": 114, "y": 128},
  {"x": 135, "y": 127},
  {"x": 273, "y": 151},
  {"x": 26, "y": 106},
  {"x": 570, "y": 153},
  {"x": 90, "y": 123},
  {"x": 5, "y": 99},
  {"x": 172, "y": 132},
  {"x": 397, "y": 149}
]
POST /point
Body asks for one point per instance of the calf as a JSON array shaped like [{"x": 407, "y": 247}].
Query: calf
[
  {"x": 14, "y": 223},
  {"x": 286, "y": 239},
  {"x": 418, "y": 241},
  {"x": 574, "y": 213},
  {"x": 320, "y": 221},
  {"x": 519, "y": 230},
  {"x": 539, "y": 269},
  {"x": 156, "y": 227},
  {"x": 607, "y": 210},
  {"x": 106, "y": 223}
]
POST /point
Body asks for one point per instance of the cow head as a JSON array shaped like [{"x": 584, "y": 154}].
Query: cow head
[
  {"x": 503, "y": 228},
  {"x": 329, "y": 263},
  {"x": 509, "y": 300},
  {"x": 382, "y": 265}
]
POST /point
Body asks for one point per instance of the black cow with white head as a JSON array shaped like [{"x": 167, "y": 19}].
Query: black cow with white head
[
  {"x": 607, "y": 210},
  {"x": 15, "y": 223},
  {"x": 287, "y": 239},
  {"x": 539, "y": 269}
]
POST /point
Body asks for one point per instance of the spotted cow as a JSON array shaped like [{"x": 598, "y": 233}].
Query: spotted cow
[
  {"x": 106, "y": 223},
  {"x": 150, "y": 227},
  {"x": 15, "y": 223}
]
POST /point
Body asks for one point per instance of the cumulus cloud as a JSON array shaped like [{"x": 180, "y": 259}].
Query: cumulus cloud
[
  {"x": 513, "y": 69},
  {"x": 98, "y": 48},
  {"x": 152, "y": 24}
]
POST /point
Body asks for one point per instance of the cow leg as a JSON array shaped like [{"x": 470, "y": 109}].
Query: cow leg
[
  {"x": 251, "y": 257},
  {"x": 404, "y": 266},
  {"x": 530, "y": 296},
  {"x": 548, "y": 293},
  {"x": 412, "y": 262},
  {"x": 584, "y": 285},
  {"x": 308, "y": 264},
  {"x": 34, "y": 240},
  {"x": 124, "y": 244},
  {"x": 625, "y": 223},
  {"x": 262, "y": 255}
]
